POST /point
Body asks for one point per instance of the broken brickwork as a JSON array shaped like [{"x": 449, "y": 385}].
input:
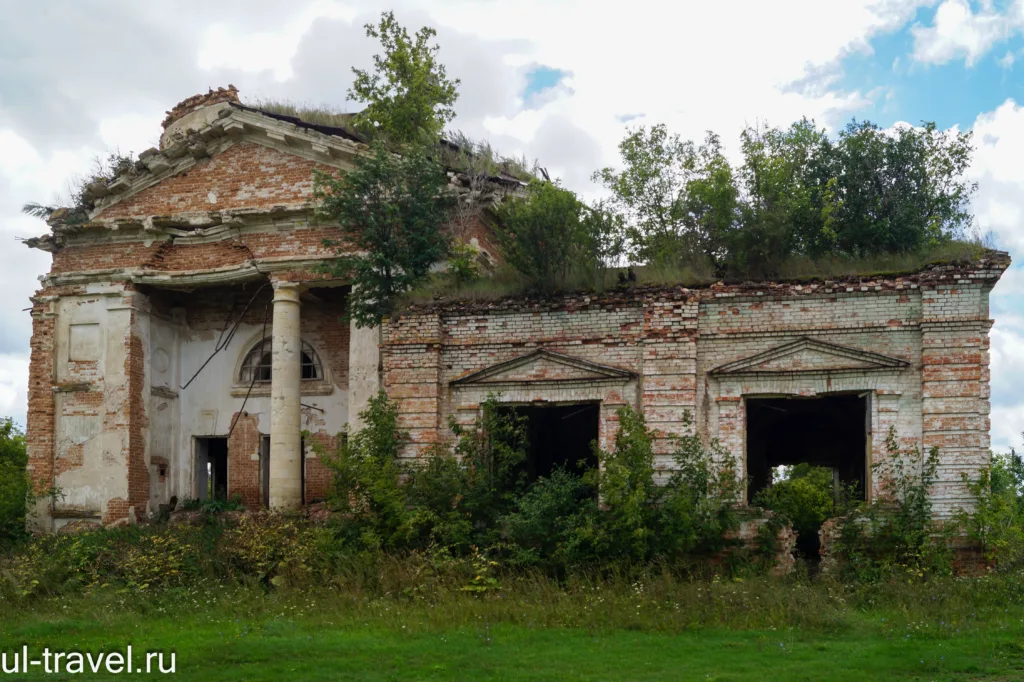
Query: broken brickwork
[
  {"x": 159, "y": 291},
  {"x": 142, "y": 293},
  {"x": 916, "y": 344}
]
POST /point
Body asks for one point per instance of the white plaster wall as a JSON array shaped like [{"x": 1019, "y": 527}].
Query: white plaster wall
[
  {"x": 80, "y": 427},
  {"x": 164, "y": 407},
  {"x": 208, "y": 405}
]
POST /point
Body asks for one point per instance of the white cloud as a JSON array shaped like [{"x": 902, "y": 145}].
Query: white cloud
[
  {"x": 999, "y": 141},
  {"x": 228, "y": 46},
  {"x": 14, "y": 386},
  {"x": 1007, "y": 427},
  {"x": 110, "y": 68},
  {"x": 958, "y": 31},
  {"x": 999, "y": 209}
]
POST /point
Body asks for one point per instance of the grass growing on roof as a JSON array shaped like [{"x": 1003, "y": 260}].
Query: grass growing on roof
[
  {"x": 322, "y": 114},
  {"x": 503, "y": 282}
]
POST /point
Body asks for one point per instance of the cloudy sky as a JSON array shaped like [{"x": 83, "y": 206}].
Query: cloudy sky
[{"x": 555, "y": 80}]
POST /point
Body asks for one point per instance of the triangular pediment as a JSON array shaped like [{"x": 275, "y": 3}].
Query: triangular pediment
[
  {"x": 241, "y": 143},
  {"x": 542, "y": 366},
  {"x": 811, "y": 355}
]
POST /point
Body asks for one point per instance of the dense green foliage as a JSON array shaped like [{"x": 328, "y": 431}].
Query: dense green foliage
[
  {"x": 997, "y": 521},
  {"x": 475, "y": 493},
  {"x": 408, "y": 95},
  {"x": 391, "y": 210},
  {"x": 805, "y": 498},
  {"x": 896, "y": 532},
  {"x": 15, "y": 490},
  {"x": 551, "y": 236},
  {"x": 393, "y": 207},
  {"x": 798, "y": 193}
]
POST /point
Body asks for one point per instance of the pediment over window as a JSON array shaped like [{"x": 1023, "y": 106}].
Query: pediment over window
[
  {"x": 807, "y": 355},
  {"x": 542, "y": 366}
]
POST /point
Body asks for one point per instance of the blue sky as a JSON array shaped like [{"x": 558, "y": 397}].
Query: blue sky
[
  {"x": 949, "y": 94},
  {"x": 559, "y": 81}
]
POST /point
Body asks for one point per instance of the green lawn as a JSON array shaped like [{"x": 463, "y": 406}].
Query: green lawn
[{"x": 331, "y": 637}]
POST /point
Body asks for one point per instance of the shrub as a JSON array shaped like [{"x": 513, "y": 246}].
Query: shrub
[
  {"x": 805, "y": 498},
  {"x": 435, "y": 490},
  {"x": 896, "y": 532},
  {"x": 628, "y": 492},
  {"x": 997, "y": 518},
  {"x": 688, "y": 517},
  {"x": 552, "y": 238},
  {"x": 493, "y": 451},
  {"x": 699, "y": 506},
  {"x": 15, "y": 489},
  {"x": 366, "y": 483},
  {"x": 552, "y": 524},
  {"x": 213, "y": 506}
]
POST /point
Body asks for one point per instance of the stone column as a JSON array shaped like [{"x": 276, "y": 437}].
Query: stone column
[
  {"x": 285, "y": 412},
  {"x": 363, "y": 371}
]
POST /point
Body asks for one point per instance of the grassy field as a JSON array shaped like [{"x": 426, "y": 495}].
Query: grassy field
[{"x": 759, "y": 630}]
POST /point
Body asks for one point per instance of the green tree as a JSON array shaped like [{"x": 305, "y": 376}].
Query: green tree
[
  {"x": 897, "y": 191},
  {"x": 784, "y": 176},
  {"x": 625, "y": 482},
  {"x": 805, "y": 498},
  {"x": 15, "y": 488},
  {"x": 392, "y": 210},
  {"x": 677, "y": 200},
  {"x": 798, "y": 193},
  {"x": 996, "y": 519},
  {"x": 409, "y": 97},
  {"x": 550, "y": 235},
  {"x": 493, "y": 450}
]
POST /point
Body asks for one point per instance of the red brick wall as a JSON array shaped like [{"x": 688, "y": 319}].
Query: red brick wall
[
  {"x": 138, "y": 420},
  {"x": 169, "y": 257},
  {"x": 246, "y": 175},
  {"x": 243, "y": 469},
  {"x": 39, "y": 430},
  {"x": 318, "y": 475}
]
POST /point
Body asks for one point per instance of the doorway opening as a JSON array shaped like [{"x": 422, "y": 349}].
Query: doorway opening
[
  {"x": 818, "y": 445},
  {"x": 560, "y": 436},
  {"x": 212, "y": 468}
]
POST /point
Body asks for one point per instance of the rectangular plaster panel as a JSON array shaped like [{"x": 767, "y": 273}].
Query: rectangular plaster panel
[{"x": 84, "y": 342}]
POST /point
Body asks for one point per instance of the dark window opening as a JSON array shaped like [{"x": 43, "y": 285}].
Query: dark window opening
[
  {"x": 212, "y": 468},
  {"x": 559, "y": 436},
  {"x": 258, "y": 364},
  {"x": 830, "y": 432}
]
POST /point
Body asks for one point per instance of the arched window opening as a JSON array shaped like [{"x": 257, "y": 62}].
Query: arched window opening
[{"x": 258, "y": 364}]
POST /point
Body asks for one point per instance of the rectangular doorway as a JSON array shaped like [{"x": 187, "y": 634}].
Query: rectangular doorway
[
  {"x": 211, "y": 468},
  {"x": 560, "y": 436},
  {"x": 829, "y": 431}
]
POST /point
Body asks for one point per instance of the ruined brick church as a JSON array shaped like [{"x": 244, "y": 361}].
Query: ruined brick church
[{"x": 185, "y": 345}]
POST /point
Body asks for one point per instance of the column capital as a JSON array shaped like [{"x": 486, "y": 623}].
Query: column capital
[{"x": 287, "y": 291}]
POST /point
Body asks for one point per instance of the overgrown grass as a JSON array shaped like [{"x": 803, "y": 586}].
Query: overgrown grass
[
  {"x": 317, "y": 114},
  {"x": 653, "y": 626},
  {"x": 504, "y": 282},
  {"x": 473, "y": 156},
  {"x": 881, "y": 264},
  {"x": 480, "y": 158}
]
